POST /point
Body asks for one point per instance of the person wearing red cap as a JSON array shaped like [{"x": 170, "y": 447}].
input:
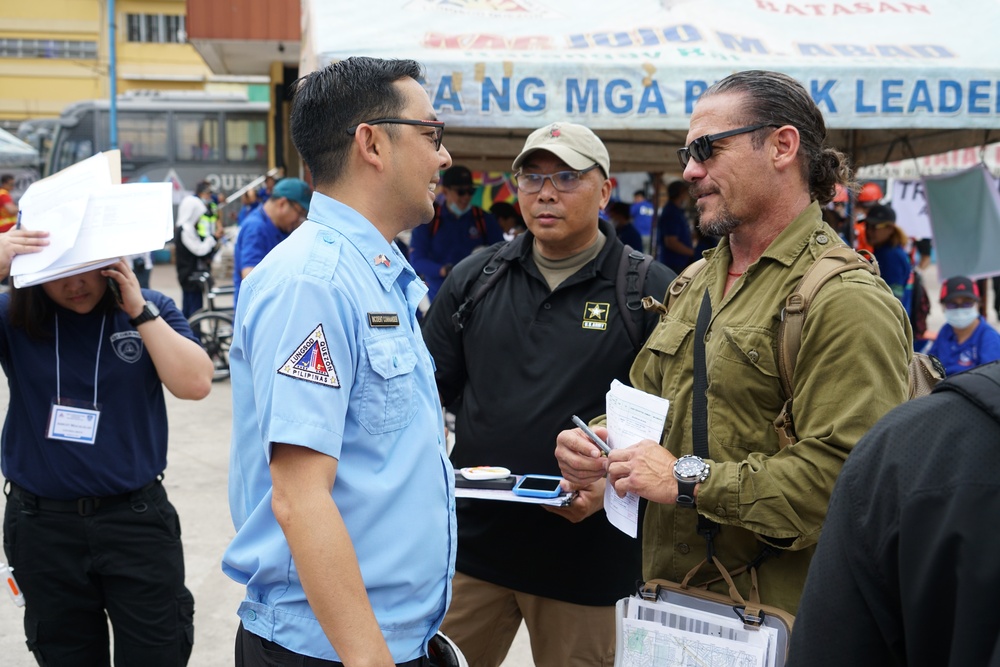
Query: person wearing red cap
[{"x": 967, "y": 340}]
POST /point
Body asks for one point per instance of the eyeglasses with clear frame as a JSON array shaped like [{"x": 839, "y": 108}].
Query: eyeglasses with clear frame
[
  {"x": 438, "y": 126},
  {"x": 700, "y": 149},
  {"x": 562, "y": 181}
]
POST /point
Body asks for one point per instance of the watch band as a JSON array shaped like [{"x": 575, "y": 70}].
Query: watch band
[
  {"x": 685, "y": 493},
  {"x": 146, "y": 315}
]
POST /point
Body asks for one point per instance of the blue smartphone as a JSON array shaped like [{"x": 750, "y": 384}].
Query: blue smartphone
[{"x": 538, "y": 486}]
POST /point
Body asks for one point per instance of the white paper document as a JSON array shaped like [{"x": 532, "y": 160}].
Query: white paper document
[
  {"x": 91, "y": 220},
  {"x": 633, "y": 415},
  {"x": 661, "y": 634}
]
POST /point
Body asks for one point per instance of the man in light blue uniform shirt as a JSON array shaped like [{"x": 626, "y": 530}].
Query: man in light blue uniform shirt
[{"x": 340, "y": 487}]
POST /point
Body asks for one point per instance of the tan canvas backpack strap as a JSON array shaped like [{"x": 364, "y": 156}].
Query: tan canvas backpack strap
[
  {"x": 833, "y": 262},
  {"x": 676, "y": 287}
]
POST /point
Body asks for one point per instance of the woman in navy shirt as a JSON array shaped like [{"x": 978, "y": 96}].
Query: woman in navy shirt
[{"x": 88, "y": 528}]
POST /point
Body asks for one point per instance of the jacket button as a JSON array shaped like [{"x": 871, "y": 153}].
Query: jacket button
[
  {"x": 683, "y": 548},
  {"x": 548, "y": 306},
  {"x": 720, "y": 511},
  {"x": 754, "y": 355},
  {"x": 822, "y": 239},
  {"x": 251, "y": 615},
  {"x": 708, "y": 336}
]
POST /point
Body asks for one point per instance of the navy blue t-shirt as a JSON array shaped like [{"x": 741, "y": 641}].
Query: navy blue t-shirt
[
  {"x": 258, "y": 236},
  {"x": 630, "y": 236},
  {"x": 673, "y": 223},
  {"x": 131, "y": 443}
]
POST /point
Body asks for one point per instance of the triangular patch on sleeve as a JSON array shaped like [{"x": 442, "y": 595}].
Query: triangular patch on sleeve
[{"x": 311, "y": 361}]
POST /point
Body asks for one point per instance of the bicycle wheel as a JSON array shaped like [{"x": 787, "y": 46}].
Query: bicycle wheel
[{"x": 215, "y": 333}]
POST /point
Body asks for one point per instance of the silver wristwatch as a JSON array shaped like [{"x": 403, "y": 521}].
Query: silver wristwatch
[{"x": 689, "y": 470}]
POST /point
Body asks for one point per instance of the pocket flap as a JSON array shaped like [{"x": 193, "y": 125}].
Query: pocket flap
[
  {"x": 668, "y": 336},
  {"x": 390, "y": 356},
  {"x": 754, "y": 346}
]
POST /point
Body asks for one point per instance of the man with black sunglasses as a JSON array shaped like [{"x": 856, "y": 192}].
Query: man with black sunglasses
[
  {"x": 458, "y": 229},
  {"x": 759, "y": 170}
]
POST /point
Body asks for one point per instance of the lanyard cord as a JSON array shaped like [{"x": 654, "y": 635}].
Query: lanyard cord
[{"x": 97, "y": 363}]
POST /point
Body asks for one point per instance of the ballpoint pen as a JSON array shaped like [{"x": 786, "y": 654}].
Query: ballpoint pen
[{"x": 603, "y": 446}]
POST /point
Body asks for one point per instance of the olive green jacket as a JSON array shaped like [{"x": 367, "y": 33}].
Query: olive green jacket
[{"x": 851, "y": 370}]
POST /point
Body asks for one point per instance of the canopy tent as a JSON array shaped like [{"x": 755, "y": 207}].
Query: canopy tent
[
  {"x": 924, "y": 73},
  {"x": 16, "y": 153}
]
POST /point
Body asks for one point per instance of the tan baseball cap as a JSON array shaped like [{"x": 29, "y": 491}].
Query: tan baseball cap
[{"x": 574, "y": 144}]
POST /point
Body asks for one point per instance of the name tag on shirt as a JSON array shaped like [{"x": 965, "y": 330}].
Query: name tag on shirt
[
  {"x": 73, "y": 424},
  {"x": 383, "y": 319}
]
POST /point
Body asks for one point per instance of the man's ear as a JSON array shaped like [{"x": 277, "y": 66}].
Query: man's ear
[
  {"x": 785, "y": 146},
  {"x": 371, "y": 145},
  {"x": 606, "y": 193}
]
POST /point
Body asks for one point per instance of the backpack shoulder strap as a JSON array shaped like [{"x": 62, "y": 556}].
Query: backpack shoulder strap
[
  {"x": 494, "y": 270},
  {"x": 629, "y": 283},
  {"x": 831, "y": 263},
  {"x": 479, "y": 218},
  {"x": 683, "y": 280}
]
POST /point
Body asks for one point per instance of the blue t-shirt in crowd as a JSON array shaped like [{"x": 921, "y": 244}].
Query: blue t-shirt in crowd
[
  {"x": 131, "y": 443},
  {"x": 896, "y": 270},
  {"x": 258, "y": 236},
  {"x": 455, "y": 239},
  {"x": 642, "y": 213},
  {"x": 673, "y": 222},
  {"x": 982, "y": 347},
  {"x": 328, "y": 355}
]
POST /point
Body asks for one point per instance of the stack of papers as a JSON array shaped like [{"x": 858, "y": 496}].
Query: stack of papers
[
  {"x": 92, "y": 219},
  {"x": 667, "y": 635}
]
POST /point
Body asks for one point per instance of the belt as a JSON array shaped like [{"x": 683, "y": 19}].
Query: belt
[{"x": 83, "y": 506}]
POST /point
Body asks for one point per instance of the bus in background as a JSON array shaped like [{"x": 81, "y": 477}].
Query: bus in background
[{"x": 179, "y": 136}]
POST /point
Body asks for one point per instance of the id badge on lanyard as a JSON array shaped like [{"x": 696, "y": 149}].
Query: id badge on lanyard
[
  {"x": 73, "y": 423},
  {"x": 73, "y": 420}
]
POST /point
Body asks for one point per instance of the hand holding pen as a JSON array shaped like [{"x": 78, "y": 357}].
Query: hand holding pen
[{"x": 594, "y": 438}]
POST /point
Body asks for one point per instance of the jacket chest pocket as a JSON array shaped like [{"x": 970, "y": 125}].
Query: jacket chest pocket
[
  {"x": 744, "y": 391},
  {"x": 387, "y": 401}
]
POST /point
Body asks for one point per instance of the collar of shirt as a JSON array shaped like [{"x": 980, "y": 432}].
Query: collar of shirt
[
  {"x": 790, "y": 243},
  {"x": 358, "y": 231}
]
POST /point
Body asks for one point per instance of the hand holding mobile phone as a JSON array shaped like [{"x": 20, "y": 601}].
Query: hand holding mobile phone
[{"x": 115, "y": 289}]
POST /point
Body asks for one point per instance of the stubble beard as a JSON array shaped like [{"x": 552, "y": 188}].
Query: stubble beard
[{"x": 722, "y": 224}]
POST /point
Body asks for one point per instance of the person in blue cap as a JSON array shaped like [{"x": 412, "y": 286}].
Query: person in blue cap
[
  {"x": 268, "y": 225},
  {"x": 966, "y": 340}
]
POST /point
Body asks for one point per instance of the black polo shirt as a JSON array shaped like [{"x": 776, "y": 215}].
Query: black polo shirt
[{"x": 527, "y": 359}]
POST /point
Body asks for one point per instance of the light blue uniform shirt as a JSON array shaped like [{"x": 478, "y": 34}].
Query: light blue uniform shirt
[{"x": 327, "y": 354}]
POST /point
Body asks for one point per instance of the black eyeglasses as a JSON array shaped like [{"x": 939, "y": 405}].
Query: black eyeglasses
[
  {"x": 701, "y": 148},
  {"x": 438, "y": 126},
  {"x": 464, "y": 192},
  {"x": 563, "y": 181}
]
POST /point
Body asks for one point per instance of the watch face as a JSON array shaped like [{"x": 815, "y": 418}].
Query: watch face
[
  {"x": 153, "y": 310},
  {"x": 689, "y": 467}
]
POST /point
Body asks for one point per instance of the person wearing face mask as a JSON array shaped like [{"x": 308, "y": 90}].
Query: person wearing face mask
[
  {"x": 457, "y": 230},
  {"x": 967, "y": 340}
]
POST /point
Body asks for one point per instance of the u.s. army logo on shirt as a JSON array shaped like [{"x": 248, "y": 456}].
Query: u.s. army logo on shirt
[
  {"x": 595, "y": 315},
  {"x": 311, "y": 361}
]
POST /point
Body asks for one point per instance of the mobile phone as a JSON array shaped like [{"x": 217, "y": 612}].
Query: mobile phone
[
  {"x": 115, "y": 289},
  {"x": 538, "y": 486}
]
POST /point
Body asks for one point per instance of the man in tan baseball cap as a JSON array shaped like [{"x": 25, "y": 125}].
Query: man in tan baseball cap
[
  {"x": 574, "y": 144},
  {"x": 543, "y": 343}
]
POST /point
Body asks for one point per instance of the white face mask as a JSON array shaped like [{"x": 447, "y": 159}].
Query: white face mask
[
  {"x": 959, "y": 318},
  {"x": 459, "y": 212}
]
